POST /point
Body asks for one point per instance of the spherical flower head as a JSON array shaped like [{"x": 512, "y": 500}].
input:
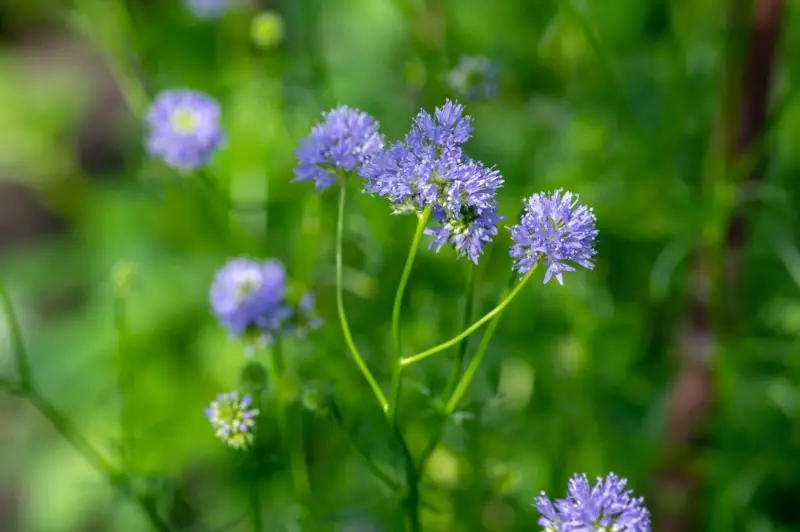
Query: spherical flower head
[
  {"x": 232, "y": 419},
  {"x": 555, "y": 229},
  {"x": 429, "y": 167},
  {"x": 474, "y": 78},
  {"x": 342, "y": 141},
  {"x": 467, "y": 231},
  {"x": 184, "y": 128},
  {"x": 248, "y": 294},
  {"x": 606, "y": 507}
]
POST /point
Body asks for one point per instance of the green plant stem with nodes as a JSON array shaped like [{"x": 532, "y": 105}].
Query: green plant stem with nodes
[
  {"x": 422, "y": 221},
  {"x": 475, "y": 326},
  {"x": 348, "y": 337},
  {"x": 291, "y": 440},
  {"x": 68, "y": 431}
]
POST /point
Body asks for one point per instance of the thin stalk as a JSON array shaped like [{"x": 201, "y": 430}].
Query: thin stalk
[
  {"x": 17, "y": 345},
  {"x": 475, "y": 326},
  {"x": 458, "y": 363},
  {"x": 68, "y": 431},
  {"x": 255, "y": 484},
  {"x": 422, "y": 221},
  {"x": 124, "y": 381},
  {"x": 348, "y": 337},
  {"x": 114, "y": 477},
  {"x": 465, "y": 381}
]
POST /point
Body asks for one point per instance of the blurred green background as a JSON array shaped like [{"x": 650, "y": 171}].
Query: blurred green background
[{"x": 615, "y": 100}]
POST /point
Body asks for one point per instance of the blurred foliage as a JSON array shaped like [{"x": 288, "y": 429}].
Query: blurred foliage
[{"x": 614, "y": 100}]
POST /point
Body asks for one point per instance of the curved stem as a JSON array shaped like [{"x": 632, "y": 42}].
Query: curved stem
[
  {"x": 348, "y": 337},
  {"x": 475, "y": 326},
  {"x": 394, "y": 395},
  {"x": 64, "y": 427},
  {"x": 93, "y": 456}
]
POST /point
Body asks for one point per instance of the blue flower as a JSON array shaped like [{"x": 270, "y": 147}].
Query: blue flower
[
  {"x": 248, "y": 295},
  {"x": 184, "y": 128},
  {"x": 467, "y": 232},
  {"x": 430, "y": 169},
  {"x": 343, "y": 141},
  {"x": 606, "y": 506},
  {"x": 474, "y": 78},
  {"x": 232, "y": 418},
  {"x": 420, "y": 170},
  {"x": 209, "y": 8},
  {"x": 555, "y": 228}
]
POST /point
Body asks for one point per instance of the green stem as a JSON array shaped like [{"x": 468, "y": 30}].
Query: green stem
[
  {"x": 412, "y": 482},
  {"x": 124, "y": 382},
  {"x": 17, "y": 345},
  {"x": 463, "y": 384},
  {"x": 289, "y": 437},
  {"x": 348, "y": 337},
  {"x": 458, "y": 363},
  {"x": 422, "y": 221},
  {"x": 64, "y": 427},
  {"x": 115, "y": 477},
  {"x": 475, "y": 326},
  {"x": 412, "y": 478},
  {"x": 255, "y": 484}
]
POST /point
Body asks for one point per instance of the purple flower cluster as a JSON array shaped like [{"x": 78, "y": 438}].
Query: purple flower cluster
[
  {"x": 342, "y": 141},
  {"x": 232, "y": 419},
  {"x": 606, "y": 506},
  {"x": 474, "y": 78},
  {"x": 184, "y": 128},
  {"x": 249, "y": 298},
  {"x": 210, "y": 8},
  {"x": 430, "y": 169},
  {"x": 555, "y": 228}
]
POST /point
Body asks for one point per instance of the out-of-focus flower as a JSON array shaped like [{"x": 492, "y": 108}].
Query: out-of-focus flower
[
  {"x": 267, "y": 29},
  {"x": 248, "y": 294},
  {"x": 232, "y": 419},
  {"x": 342, "y": 141},
  {"x": 555, "y": 229},
  {"x": 304, "y": 317},
  {"x": 208, "y": 9},
  {"x": 474, "y": 78},
  {"x": 607, "y": 506},
  {"x": 430, "y": 169},
  {"x": 184, "y": 128}
]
